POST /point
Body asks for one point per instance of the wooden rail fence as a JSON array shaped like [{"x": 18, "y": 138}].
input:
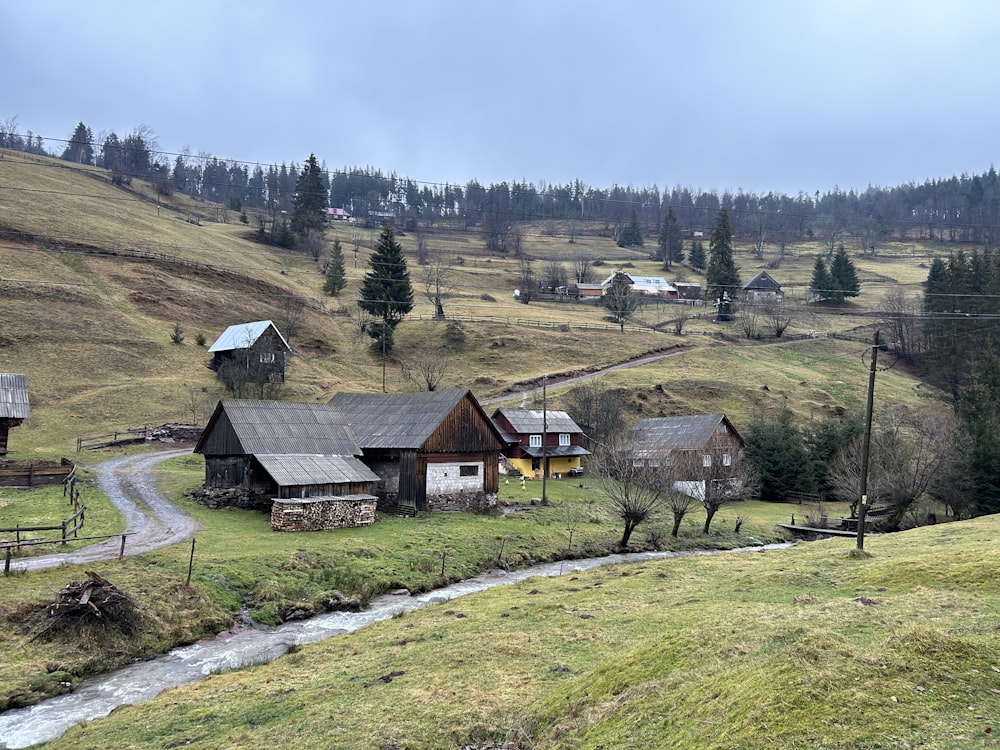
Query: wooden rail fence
[
  {"x": 36, "y": 474},
  {"x": 120, "y": 437}
]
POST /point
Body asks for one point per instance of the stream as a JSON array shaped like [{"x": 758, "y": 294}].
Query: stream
[{"x": 97, "y": 697}]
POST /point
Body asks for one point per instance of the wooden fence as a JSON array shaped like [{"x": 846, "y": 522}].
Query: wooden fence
[
  {"x": 36, "y": 473},
  {"x": 122, "y": 437}
]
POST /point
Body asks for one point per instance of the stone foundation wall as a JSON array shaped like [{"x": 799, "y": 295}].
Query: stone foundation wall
[
  {"x": 230, "y": 497},
  {"x": 322, "y": 513},
  {"x": 474, "y": 502}
]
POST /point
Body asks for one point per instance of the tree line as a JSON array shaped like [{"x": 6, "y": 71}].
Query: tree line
[{"x": 962, "y": 208}]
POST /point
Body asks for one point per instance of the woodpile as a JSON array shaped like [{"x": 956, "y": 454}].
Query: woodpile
[{"x": 95, "y": 600}]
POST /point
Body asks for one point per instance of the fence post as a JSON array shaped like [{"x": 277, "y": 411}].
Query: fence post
[
  {"x": 121, "y": 551},
  {"x": 190, "y": 563},
  {"x": 17, "y": 535},
  {"x": 63, "y": 524},
  {"x": 6, "y": 563}
]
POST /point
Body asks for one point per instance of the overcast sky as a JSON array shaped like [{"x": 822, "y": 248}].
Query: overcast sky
[{"x": 789, "y": 96}]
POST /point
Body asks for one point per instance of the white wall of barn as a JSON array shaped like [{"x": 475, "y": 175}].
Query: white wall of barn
[{"x": 447, "y": 479}]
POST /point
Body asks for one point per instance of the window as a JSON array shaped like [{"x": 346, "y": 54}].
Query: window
[
  {"x": 535, "y": 441},
  {"x": 706, "y": 461},
  {"x": 563, "y": 438},
  {"x": 267, "y": 358},
  {"x": 472, "y": 470},
  {"x": 727, "y": 459}
]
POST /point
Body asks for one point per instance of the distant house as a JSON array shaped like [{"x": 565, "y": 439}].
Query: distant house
[
  {"x": 14, "y": 407},
  {"x": 434, "y": 450},
  {"x": 337, "y": 214},
  {"x": 590, "y": 290},
  {"x": 701, "y": 452},
  {"x": 302, "y": 459},
  {"x": 688, "y": 291},
  {"x": 762, "y": 288},
  {"x": 647, "y": 286},
  {"x": 537, "y": 435},
  {"x": 257, "y": 347}
]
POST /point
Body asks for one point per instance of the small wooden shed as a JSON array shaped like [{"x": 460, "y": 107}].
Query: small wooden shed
[
  {"x": 14, "y": 407},
  {"x": 257, "y": 347}
]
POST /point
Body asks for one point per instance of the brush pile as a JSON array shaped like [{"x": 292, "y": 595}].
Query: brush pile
[{"x": 95, "y": 600}]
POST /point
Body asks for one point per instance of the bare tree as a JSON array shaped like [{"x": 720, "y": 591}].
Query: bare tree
[
  {"x": 678, "y": 504},
  {"x": 908, "y": 450},
  {"x": 620, "y": 301},
  {"x": 750, "y": 320},
  {"x": 553, "y": 274},
  {"x": 598, "y": 410},
  {"x": 681, "y": 320},
  {"x": 777, "y": 317},
  {"x": 526, "y": 291},
  {"x": 439, "y": 281},
  {"x": 582, "y": 271},
  {"x": 902, "y": 318},
  {"x": 313, "y": 243},
  {"x": 634, "y": 492},
  {"x": 293, "y": 310},
  {"x": 427, "y": 370}
]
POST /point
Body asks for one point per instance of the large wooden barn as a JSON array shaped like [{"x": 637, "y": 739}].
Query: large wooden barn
[
  {"x": 433, "y": 450},
  {"x": 278, "y": 451}
]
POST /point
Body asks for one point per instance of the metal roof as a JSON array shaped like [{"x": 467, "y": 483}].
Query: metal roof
[
  {"x": 556, "y": 451},
  {"x": 680, "y": 433},
  {"x": 243, "y": 336},
  {"x": 529, "y": 421},
  {"x": 298, "y": 469},
  {"x": 14, "y": 396},
  {"x": 397, "y": 420},
  {"x": 281, "y": 427},
  {"x": 762, "y": 281}
]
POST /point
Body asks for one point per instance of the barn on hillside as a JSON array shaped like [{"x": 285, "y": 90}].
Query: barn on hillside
[
  {"x": 258, "y": 348},
  {"x": 14, "y": 407}
]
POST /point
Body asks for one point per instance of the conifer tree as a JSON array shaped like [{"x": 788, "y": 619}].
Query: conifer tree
[
  {"x": 336, "y": 276},
  {"x": 671, "y": 245},
  {"x": 722, "y": 275},
  {"x": 697, "y": 255},
  {"x": 632, "y": 235},
  {"x": 309, "y": 201},
  {"x": 822, "y": 282},
  {"x": 844, "y": 275},
  {"x": 386, "y": 292}
]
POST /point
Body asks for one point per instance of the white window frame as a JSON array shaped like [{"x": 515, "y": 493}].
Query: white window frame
[
  {"x": 727, "y": 459},
  {"x": 563, "y": 438},
  {"x": 706, "y": 461},
  {"x": 534, "y": 441}
]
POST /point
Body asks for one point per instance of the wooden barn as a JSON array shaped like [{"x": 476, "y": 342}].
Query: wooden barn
[
  {"x": 258, "y": 348},
  {"x": 702, "y": 452},
  {"x": 282, "y": 451},
  {"x": 14, "y": 407},
  {"x": 435, "y": 450}
]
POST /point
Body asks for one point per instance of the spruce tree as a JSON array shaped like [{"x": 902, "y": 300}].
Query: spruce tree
[
  {"x": 844, "y": 275},
  {"x": 309, "y": 200},
  {"x": 336, "y": 275},
  {"x": 386, "y": 292},
  {"x": 632, "y": 235},
  {"x": 697, "y": 255},
  {"x": 722, "y": 275},
  {"x": 822, "y": 282},
  {"x": 671, "y": 245}
]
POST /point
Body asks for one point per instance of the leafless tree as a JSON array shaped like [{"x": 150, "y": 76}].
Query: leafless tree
[
  {"x": 777, "y": 317},
  {"x": 902, "y": 319},
  {"x": 293, "y": 310},
  {"x": 313, "y": 243},
  {"x": 678, "y": 503},
  {"x": 426, "y": 370},
  {"x": 908, "y": 450},
  {"x": 528, "y": 285},
  {"x": 423, "y": 253},
  {"x": 515, "y": 242},
  {"x": 750, "y": 320},
  {"x": 681, "y": 320},
  {"x": 553, "y": 273},
  {"x": 582, "y": 270},
  {"x": 634, "y": 493},
  {"x": 597, "y": 409},
  {"x": 439, "y": 281}
]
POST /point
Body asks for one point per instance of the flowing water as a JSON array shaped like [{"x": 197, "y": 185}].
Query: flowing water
[{"x": 95, "y": 698}]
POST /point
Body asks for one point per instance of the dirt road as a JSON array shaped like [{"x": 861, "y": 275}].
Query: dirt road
[{"x": 151, "y": 521}]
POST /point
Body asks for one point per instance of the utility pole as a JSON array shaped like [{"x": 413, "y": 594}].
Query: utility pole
[
  {"x": 863, "y": 505},
  {"x": 545, "y": 439}
]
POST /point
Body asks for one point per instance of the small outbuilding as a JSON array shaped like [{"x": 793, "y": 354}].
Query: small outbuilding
[
  {"x": 762, "y": 288},
  {"x": 14, "y": 408},
  {"x": 257, "y": 349}
]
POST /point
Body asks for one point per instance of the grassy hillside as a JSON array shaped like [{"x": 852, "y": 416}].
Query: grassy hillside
[
  {"x": 810, "y": 647},
  {"x": 92, "y": 331}
]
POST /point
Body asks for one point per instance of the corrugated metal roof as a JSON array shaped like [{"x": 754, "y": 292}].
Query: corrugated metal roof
[
  {"x": 529, "y": 421},
  {"x": 396, "y": 420},
  {"x": 14, "y": 396},
  {"x": 299, "y": 469},
  {"x": 679, "y": 433},
  {"x": 279, "y": 427},
  {"x": 243, "y": 336},
  {"x": 557, "y": 451},
  {"x": 763, "y": 281}
]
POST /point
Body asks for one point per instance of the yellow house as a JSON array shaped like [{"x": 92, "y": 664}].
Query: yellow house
[{"x": 536, "y": 436}]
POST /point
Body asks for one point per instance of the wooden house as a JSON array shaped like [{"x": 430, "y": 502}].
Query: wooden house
[
  {"x": 274, "y": 452},
  {"x": 701, "y": 453},
  {"x": 433, "y": 450},
  {"x": 14, "y": 407},
  {"x": 536, "y": 437},
  {"x": 645, "y": 286},
  {"x": 257, "y": 347},
  {"x": 762, "y": 288}
]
